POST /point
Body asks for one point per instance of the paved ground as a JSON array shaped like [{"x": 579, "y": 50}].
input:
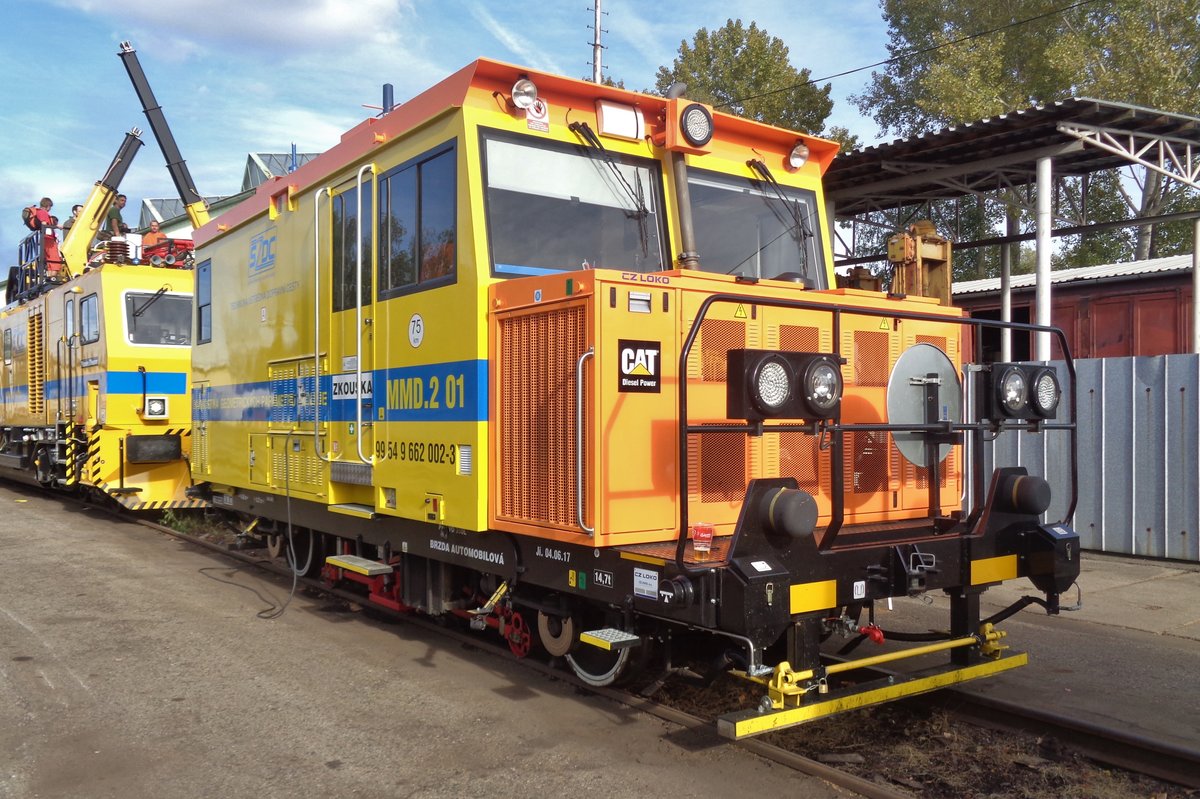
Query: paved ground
[
  {"x": 1128, "y": 655},
  {"x": 134, "y": 666}
]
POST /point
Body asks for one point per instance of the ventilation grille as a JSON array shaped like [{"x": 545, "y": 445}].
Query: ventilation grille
[
  {"x": 710, "y": 356},
  {"x": 291, "y": 392},
  {"x": 717, "y": 466},
  {"x": 870, "y": 361},
  {"x": 295, "y": 471},
  {"x": 37, "y": 366},
  {"x": 537, "y": 410}
]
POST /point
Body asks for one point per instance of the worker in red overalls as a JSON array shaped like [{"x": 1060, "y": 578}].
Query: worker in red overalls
[{"x": 48, "y": 224}]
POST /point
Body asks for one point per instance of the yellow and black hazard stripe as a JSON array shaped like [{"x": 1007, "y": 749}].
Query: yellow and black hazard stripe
[
  {"x": 92, "y": 459},
  {"x": 71, "y": 477}
]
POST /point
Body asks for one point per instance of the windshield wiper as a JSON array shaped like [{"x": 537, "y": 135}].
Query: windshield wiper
[
  {"x": 798, "y": 223},
  {"x": 640, "y": 212},
  {"x": 142, "y": 308}
]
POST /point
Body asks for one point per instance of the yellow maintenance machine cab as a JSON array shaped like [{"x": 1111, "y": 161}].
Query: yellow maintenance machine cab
[{"x": 578, "y": 352}]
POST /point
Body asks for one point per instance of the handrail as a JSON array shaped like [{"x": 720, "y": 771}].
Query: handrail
[
  {"x": 317, "y": 324},
  {"x": 837, "y": 428},
  {"x": 580, "y": 430},
  {"x": 358, "y": 326}
]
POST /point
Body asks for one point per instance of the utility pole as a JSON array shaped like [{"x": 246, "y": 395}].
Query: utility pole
[{"x": 597, "y": 47}]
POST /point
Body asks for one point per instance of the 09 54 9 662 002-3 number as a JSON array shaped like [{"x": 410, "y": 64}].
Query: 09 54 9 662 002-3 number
[{"x": 416, "y": 452}]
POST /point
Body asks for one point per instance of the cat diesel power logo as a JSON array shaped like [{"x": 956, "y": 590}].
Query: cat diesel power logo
[{"x": 640, "y": 365}]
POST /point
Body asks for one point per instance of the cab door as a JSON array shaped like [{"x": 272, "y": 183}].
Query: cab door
[{"x": 351, "y": 401}]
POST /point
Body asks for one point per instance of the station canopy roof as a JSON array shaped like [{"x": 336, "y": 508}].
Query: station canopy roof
[{"x": 1082, "y": 136}]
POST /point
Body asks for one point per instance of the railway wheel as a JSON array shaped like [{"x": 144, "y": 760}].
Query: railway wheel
[
  {"x": 597, "y": 667},
  {"x": 557, "y": 633},
  {"x": 275, "y": 545}
]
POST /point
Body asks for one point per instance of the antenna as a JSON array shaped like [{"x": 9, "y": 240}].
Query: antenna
[{"x": 597, "y": 48}]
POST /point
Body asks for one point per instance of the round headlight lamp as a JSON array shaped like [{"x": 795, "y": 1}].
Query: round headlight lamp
[
  {"x": 524, "y": 93},
  {"x": 696, "y": 125},
  {"x": 798, "y": 157},
  {"x": 1012, "y": 392},
  {"x": 1046, "y": 392},
  {"x": 822, "y": 387},
  {"x": 771, "y": 385}
]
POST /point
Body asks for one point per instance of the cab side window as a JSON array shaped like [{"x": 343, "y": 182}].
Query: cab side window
[
  {"x": 345, "y": 246},
  {"x": 204, "y": 302},
  {"x": 417, "y": 223},
  {"x": 89, "y": 322}
]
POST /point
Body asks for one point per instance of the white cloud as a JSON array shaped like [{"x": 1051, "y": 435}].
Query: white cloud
[
  {"x": 528, "y": 54},
  {"x": 261, "y": 24}
]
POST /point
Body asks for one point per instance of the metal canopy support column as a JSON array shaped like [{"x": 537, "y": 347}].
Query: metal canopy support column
[
  {"x": 1044, "y": 176},
  {"x": 1006, "y": 251}
]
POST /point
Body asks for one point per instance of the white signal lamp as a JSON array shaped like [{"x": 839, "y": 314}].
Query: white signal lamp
[{"x": 155, "y": 408}]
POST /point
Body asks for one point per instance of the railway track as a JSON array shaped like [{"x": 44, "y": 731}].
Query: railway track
[{"x": 1137, "y": 754}]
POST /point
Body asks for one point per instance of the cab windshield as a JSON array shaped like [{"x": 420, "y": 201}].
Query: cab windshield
[
  {"x": 158, "y": 318},
  {"x": 746, "y": 227},
  {"x": 555, "y": 208}
]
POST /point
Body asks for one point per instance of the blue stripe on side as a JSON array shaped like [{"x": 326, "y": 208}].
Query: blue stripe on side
[
  {"x": 517, "y": 269},
  {"x": 248, "y": 402},
  {"x": 447, "y": 392},
  {"x": 110, "y": 383},
  {"x": 444, "y": 392},
  {"x": 156, "y": 382}
]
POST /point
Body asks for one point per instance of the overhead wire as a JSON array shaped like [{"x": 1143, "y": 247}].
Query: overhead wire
[{"x": 913, "y": 52}]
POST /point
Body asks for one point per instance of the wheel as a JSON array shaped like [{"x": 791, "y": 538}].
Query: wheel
[
  {"x": 274, "y": 545},
  {"x": 597, "y": 667},
  {"x": 557, "y": 633}
]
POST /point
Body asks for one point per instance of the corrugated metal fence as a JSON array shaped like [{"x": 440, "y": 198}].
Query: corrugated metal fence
[{"x": 1139, "y": 439}]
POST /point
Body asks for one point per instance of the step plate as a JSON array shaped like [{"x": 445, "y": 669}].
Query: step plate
[
  {"x": 610, "y": 638},
  {"x": 371, "y": 568}
]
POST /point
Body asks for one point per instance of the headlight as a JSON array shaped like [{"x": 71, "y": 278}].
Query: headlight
[
  {"x": 1046, "y": 392},
  {"x": 823, "y": 387},
  {"x": 771, "y": 385},
  {"x": 798, "y": 157},
  {"x": 1022, "y": 391},
  {"x": 1013, "y": 391},
  {"x": 765, "y": 384},
  {"x": 524, "y": 93},
  {"x": 696, "y": 124},
  {"x": 155, "y": 408}
]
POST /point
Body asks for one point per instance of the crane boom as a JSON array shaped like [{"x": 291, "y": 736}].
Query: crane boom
[
  {"x": 193, "y": 203},
  {"x": 75, "y": 245}
]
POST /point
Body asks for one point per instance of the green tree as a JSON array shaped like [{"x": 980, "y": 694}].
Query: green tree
[
  {"x": 745, "y": 71},
  {"x": 957, "y": 61}
]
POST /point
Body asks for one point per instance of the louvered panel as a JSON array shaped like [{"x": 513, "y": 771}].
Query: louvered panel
[
  {"x": 538, "y": 353},
  {"x": 37, "y": 365}
]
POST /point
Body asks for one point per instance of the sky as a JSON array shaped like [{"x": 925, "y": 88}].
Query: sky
[{"x": 241, "y": 76}]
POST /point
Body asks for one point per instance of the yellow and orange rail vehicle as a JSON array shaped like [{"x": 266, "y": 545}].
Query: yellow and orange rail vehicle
[
  {"x": 94, "y": 386},
  {"x": 570, "y": 361}
]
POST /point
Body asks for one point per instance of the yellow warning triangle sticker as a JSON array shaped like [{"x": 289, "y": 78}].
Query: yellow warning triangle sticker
[
  {"x": 883, "y": 324},
  {"x": 740, "y": 313}
]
